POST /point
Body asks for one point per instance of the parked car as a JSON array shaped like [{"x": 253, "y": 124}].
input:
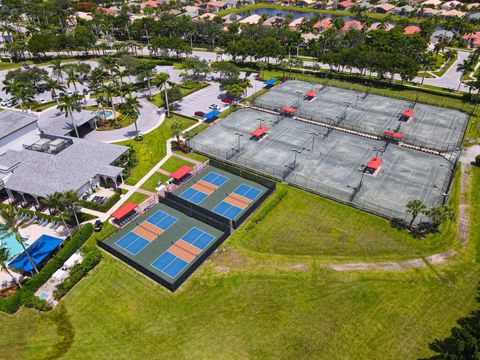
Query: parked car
[
  {"x": 227, "y": 100},
  {"x": 199, "y": 113},
  {"x": 214, "y": 107},
  {"x": 26, "y": 66},
  {"x": 98, "y": 225}
]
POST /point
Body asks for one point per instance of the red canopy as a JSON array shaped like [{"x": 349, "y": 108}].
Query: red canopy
[
  {"x": 374, "y": 163},
  {"x": 260, "y": 131},
  {"x": 288, "y": 109},
  {"x": 311, "y": 93},
  {"x": 181, "y": 172},
  {"x": 393, "y": 135},
  {"x": 124, "y": 210},
  {"x": 408, "y": 113}
]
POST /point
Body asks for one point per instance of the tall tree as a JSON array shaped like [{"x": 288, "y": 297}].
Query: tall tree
[
  {"x": 131, "y": 108},
  {"x": 71, "y": 202},
  {"x": 69, "y": 106},
  {"x": 54, "y": 204},
  {"x": 54, "y": 86},
  {"x": 4, "y": 258},
  {"x": 11, "y": 224},
  {"x": 415, "y": 208}
]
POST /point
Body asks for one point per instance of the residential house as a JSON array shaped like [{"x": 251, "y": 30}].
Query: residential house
[
  {"x": 379, "y": 26},
  {"x": 323, "y": 24},
  {"x": 207, "y": 17},
  {"x": 251, "y": 20},
  {"x": 384, "y": 8},
  {"x": 474, "y": 17},
  {"x": 471, "y": 40},
  {"x": 449, "y": 5},
  {"x": 296, "y": 24},
  {"x": 431, "y": 3},
  {"x": 352, "y": 25},
  {"x": 441, "y": 35},
  {"x": 431, "y": 12},
  {"x": 411, "y": 29},
  {"x": 274, "y": 21},
  {"x": 214, "y": 6},
  {"x": 309, "y": 37},
  {"x": 344, "y": 5},
  {"x": 453, "y": 13},
  {"x": 404, "y": 10}
]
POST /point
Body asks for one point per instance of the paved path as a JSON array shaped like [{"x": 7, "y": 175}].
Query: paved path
[
  {"x": 451, "y": 78},
  {"x": 186, "y": 158}
]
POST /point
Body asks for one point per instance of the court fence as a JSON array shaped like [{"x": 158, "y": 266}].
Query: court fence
[
  {"x": 172, "y": 286},
  {"x": 413, "y": 139},
  {"x": 345, "y": 196}
]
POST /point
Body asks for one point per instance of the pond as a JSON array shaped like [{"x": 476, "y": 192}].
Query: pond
[{"x": 296, "y": 14}]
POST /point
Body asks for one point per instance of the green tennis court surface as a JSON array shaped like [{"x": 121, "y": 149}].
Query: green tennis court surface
[
  {"x": 227, "y": 194},
  {"x": 178, "y": 244}
]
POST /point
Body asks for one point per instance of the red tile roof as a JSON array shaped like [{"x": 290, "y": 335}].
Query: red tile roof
[
  {"x": 352, "y": 25},
  {"x": 412, "y": 29},
  {"x": 323, "y": 24},
  {"x": 346, "y": 4}
]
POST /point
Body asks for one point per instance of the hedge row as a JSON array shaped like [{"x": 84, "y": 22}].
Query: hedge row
[
  {"x": 92, "y": 257},
  {"x": 25, "y": 295},
  {"x": 112, "y": 200},
  {"x": 266, "y": 209}
]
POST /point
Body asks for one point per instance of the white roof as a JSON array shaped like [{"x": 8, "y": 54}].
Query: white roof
[{"x": 252, "y": 19}]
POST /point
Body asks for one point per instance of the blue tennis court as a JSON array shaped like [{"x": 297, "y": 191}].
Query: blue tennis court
[
  {"x": 198, "y": 238},
  {"x": 169, "y": 264},
  {"x": 215, "y": 179},
  {"x": 247, "y": 191},
  {"x": 162, "y": 220},
  {"x": 227, "y": 210},
  {"x": 132, "y": 243},
  {"x": 194, "y": 196}
]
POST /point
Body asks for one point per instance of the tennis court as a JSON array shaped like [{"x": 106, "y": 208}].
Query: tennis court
[
  {"x": 204, "y": 187},
  {"x": 430, "y": 126},
  {"x": 327, "y": 162},
  {"x": 164, "y": 243},
  {"x": 215, "y": 190}
]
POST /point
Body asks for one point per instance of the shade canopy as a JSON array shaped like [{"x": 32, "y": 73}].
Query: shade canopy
[
  {"x": 311, "y": 93},
  {"x": 288, "y": 110},
  {"x": 124, "y": 210},
  {"x": 408, "y": 113},
  {"x": 374, "y": 163},
  {"x": 393, "y": 135},
  {"x": 211, "y": 114},
  {"x": 38, "y": 251},
  {"x": 260, "y": 131},
  {"x": 181, "y": 172},
  {"x": 270, "y": 81}
]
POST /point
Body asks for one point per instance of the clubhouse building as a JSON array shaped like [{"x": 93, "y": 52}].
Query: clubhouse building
[{"x": 37, "y": 160}]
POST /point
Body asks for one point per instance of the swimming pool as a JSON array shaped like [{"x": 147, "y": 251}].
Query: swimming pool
[
  {"x": 106, "y": 115},
  {"x": 12, "y": 245}
]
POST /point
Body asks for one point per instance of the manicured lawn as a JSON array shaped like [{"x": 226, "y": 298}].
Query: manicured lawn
[
  {"x": 174, "y": 163},
  {"x": 260, "y": 306},
  {"x": 137, "y": 198},
  {"x": 153, "y": 180},
  {"x": 198, "y": 129},
  {"x": 153, "y": 147},
  {"x": 193, "y": 156},
  {"x": 306, "y": 224}
]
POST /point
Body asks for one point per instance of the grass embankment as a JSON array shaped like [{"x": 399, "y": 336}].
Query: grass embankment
[
  {"x": 193, "y": 156},
  {"x": 137, "y": 198},
  {"x": 153, "y": 147},
  {"x": 261, "y": 306},
  {"x": 174, "y": 164}
]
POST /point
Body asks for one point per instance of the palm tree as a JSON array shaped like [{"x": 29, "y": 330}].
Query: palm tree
[
  {"x": 176, "y": 130},
  {"x": 427, "y": 62},
  {"x": 132, "y": 108},
  {"x": 57, "y": 69},
  {"x": 23, "y": 94},
  {"x": 10, "y": 86},
  {"x": 11, "y": 225},
  {"x": 127, "y": 88},
  {"x": 53, "y": 85},
  {"x": 73, "y": 77},
  {"x": 110, "y": 92},
  {"x": 54, "y": 203},
  {"x": 4, "y": 258},
  {"x": 161, "y": 81},
  {"x": 71, "y": 203},
  {"x": 68, "y": 107},
  {"x": 464, "y": 67},
  {"x": 415, "y": 208}
]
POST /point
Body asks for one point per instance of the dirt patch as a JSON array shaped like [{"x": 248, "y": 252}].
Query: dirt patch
[
  {"x": 435, "y": 259},
  {"x": 299, "y": 267},
  {"x": 463, "y": 217},
  {"x": 225, "y": 259}
]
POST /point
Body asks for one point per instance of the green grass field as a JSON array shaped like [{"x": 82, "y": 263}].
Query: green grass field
[
  {"x": 174, "y": 163},
  {"x": 193, "y": 156},
  {"x": 153, "y": 147},
  {"x": 153, "y": 180},
  {"x": 247, "y": 304},
  {"x": 137, "y": 197}
]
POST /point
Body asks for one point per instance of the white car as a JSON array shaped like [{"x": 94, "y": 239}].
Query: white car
[{"x": 214, "y": 107}]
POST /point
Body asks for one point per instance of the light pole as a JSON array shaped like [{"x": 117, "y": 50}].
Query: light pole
[
  {"x": 296, "y": 151},
  {"x": 239, "y": 135},
  {"x": 298, "y": 98},
  {"x": 260, "y": 122},
  {"x": 377, "y": 150},
  {"x": 314, "y": 134}
]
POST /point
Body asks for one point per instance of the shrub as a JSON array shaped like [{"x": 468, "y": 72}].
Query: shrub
[
  {"x": 266, "y": 209},
  {"x": 25, "y": 295},
  {"x": 477, "y": 159},
  {"x": 77, "y": 272}
]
